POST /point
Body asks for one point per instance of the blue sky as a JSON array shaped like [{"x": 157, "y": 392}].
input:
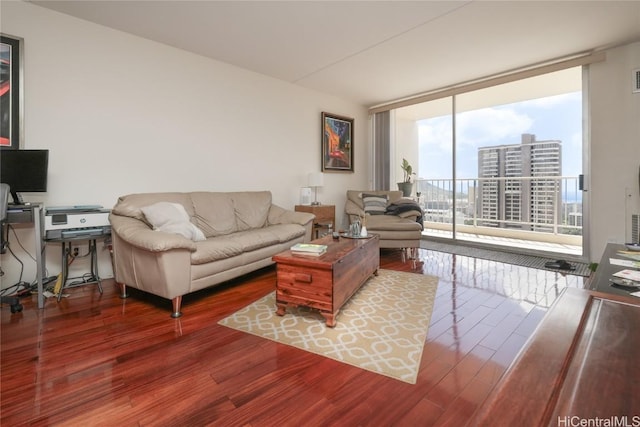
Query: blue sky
[{"x": 552, "y": 118}]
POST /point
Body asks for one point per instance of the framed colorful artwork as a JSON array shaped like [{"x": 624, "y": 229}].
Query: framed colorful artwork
[
  {"x": 337, "y": 143},
  {"x": 11, "y": 92}
]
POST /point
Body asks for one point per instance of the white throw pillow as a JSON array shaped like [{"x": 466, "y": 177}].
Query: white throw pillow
[{"x": 172, "y": 218}]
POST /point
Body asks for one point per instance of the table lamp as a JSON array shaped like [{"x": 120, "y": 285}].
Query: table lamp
[{"x": 316, "y": 179}]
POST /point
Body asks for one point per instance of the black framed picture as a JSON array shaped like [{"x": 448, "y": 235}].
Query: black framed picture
[
  {"x": 11, "y": 92},
  {"x": 337, "y": 143}
]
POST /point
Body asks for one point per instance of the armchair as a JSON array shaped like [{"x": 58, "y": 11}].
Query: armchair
[{"x": 402, "y": 230}]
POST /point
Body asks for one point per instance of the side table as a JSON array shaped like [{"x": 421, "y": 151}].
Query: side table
[{"x": 325, "y": 218}]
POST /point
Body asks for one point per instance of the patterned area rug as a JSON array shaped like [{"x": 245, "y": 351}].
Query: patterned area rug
[
  {"x": 580, "y": 268},
  {"x": 382, "y": 328}
]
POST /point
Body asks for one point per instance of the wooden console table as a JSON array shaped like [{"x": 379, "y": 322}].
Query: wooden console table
[
  {"x": 580, "y": 364},
  {"x": 605, "y": 270}
]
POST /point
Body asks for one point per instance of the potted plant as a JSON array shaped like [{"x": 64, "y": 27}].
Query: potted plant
[{"x": 406, "y": 186}]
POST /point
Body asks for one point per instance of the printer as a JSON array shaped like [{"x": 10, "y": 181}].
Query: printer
[{"x": 68, "y": 222}]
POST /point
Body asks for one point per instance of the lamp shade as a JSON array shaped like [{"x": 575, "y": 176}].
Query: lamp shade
[{"x": 316, "y": 179}]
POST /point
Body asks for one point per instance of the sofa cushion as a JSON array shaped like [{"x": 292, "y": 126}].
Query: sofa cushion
[
  {"x": 286, "y": 232},
  {"x": 254, "y": 239},
  {"x": 391, "y": 223},
  {"x": 131, "y": 204},
  {"x": 222, "y": 247},
  {"x": 220, "y": 214},
  {"x": 215, "y": 249},
  {"x": 374, "y": 204},
  {"x": 251, "y": 209},
  {"x": 410, "y": 214},
  {"x": 214, "y": 213},
  {"x": 171, "y": 218}
]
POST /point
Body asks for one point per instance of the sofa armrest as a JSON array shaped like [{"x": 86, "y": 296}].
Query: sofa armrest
[
  {"x": 138, "y": 234},
  {"x": 353, "y": 211},
  {"x": 414, "y": 215},
  {"x": 278, "y": 215}
]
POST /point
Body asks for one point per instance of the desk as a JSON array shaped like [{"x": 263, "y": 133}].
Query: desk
[
  {"x": 325, "y": 217},
  {"x": 32, "y": 214},
  {"x": 605, "y": 270}
]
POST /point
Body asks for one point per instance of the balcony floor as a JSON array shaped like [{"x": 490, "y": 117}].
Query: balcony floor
[{"x": 505, "y": 243}]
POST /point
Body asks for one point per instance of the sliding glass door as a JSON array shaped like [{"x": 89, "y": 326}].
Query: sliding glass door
[{"x": 500, "y": 165}]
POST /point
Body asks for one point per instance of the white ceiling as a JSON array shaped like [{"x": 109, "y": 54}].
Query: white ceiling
[{"x": 371, "y": 52}]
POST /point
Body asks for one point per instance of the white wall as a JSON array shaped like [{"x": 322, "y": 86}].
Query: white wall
[
  {"x": 121, "y": 114},
  {"x": 615, "y": 148}
]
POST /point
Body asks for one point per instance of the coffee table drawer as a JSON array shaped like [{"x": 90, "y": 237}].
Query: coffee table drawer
[{"x": 304, "y": 286}]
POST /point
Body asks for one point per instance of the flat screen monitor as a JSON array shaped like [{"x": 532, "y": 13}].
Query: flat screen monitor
[{"x": 24, "y": 170}]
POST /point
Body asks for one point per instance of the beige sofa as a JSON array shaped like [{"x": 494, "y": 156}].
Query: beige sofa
[
  {"x": 396, "y": 231},
  {"x": 171, "y": 244}
]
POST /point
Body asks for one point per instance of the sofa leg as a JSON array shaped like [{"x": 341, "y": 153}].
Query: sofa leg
[
  {"x": 177, "y": 301},
  {"x": 123, "y": 290}
]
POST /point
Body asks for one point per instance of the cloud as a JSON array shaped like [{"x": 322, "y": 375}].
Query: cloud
[
  {"x": 555, "y": 117},
  {"x": 436, "y": 133},
  {"x": 492, "y": 126},
  {"x": 488, "y": 126},
  {"x": 477, "y": 128}
]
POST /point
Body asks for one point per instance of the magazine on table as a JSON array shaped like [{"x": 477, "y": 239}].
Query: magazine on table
[
  {"x": 308, "y": 249},
  {"x": 632, "y": 275},
  {"x": 314, "y": 254},
  {"x": 634, "y": 255},
  {"x": 624, "y": 262}
]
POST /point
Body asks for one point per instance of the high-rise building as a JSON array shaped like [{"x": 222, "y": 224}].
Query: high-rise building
[{"x": 519, "y": 185}]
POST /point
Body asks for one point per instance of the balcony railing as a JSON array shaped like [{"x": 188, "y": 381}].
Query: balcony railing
[{"x": 540, "y": 208}]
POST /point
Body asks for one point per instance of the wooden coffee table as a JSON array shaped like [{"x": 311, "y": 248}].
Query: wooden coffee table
[{"x": 326, "y": 282}]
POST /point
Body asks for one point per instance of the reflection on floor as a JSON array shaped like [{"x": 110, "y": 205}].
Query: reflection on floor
[
  {"x": 484, "y": 313},
  {"x": 509, "y": 257}
]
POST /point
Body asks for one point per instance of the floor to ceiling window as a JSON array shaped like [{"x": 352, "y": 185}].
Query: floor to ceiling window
[{"x": 500, "y": 165}]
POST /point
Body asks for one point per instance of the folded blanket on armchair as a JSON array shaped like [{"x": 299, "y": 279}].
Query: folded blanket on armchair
[{"x": 404, "y": 208}]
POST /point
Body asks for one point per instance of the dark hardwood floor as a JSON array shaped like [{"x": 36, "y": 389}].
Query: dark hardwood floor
[{"x": 99, "y": 360}]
